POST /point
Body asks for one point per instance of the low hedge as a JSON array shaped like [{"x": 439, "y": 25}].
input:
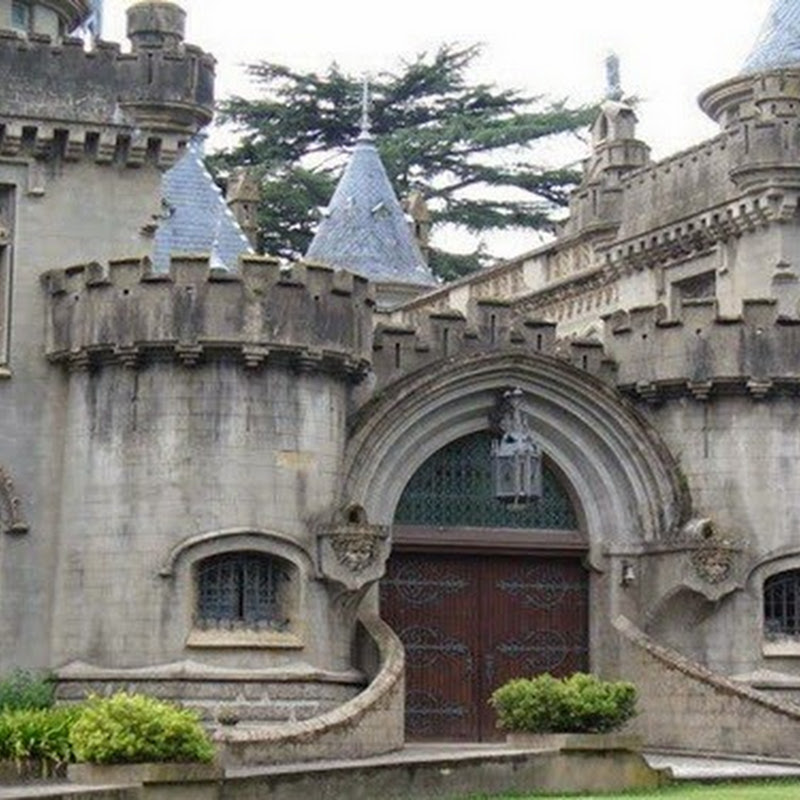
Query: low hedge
[
  {"x": 38, "y": 734},
  {"x": 124, "y": 728},
  {"x": 579, "y": 704},
  {"x": 129, "y": 728}
]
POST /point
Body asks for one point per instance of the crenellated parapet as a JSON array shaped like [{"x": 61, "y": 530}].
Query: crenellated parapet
[
  {"x": 60, "y": 99},
  {"x": 702, "y": 354},
  {"x": 307, "y": 316},
  {"x": 489, "y": 326}
]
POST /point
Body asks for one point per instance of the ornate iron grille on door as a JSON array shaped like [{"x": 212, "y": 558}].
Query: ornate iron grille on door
[{"x": 454, "y": 487}]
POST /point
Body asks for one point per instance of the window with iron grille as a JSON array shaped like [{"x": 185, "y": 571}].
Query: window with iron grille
[
  {"x": 242, "y": 590},
  {"x": 454, "y": 487},
  {"x": 781, "y": 605}
]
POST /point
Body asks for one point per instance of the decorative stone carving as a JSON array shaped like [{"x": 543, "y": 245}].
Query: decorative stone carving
[
  {"x": 352, "y": 552},
  {"x": 12, "y": 520},
  {"x": 714, "y": 563},
  {"x": 712, "y": 556}
]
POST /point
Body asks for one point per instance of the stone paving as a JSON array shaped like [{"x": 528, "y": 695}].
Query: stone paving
[
  {"x": 684, "y": 767},
  {"x": 708, "y": 768}
]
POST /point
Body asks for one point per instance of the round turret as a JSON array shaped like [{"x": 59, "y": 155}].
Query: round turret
[
  {"x": 156, "y": 24},
  {"x": 53, "y": 18}
]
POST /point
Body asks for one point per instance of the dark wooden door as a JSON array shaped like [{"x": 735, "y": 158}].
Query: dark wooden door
[{"x": 471, "y": 622}]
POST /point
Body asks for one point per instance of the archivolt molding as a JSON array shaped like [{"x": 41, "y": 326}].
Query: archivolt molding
[
  {"x": 624, "y": 480},
  {"x": 779, "y": 560},
  {"x": 214, "y": 542},
  {"x": 12, "y": 519}
]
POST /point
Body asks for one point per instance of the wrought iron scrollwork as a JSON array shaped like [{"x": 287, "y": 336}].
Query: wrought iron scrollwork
[
  {"x": 454, "y": 488},
  {"x": 428, "y": 711},
  {"x": 426, "y": 646},
  {"x": 543, "y": 586},
  {"x": 542, "y": 651},
  {"x": 421, "y": 584}
]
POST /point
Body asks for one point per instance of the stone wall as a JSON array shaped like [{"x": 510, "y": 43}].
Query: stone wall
[
  {"x": 370, "y": 724},
  {"x": 685, "y": 706},
  {"x": 63, "y": 84},
  {"x": 309, "y": 316},
  {"x": 490, "y": 326}
]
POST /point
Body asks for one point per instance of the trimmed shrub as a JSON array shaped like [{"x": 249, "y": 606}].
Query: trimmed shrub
[
  {"x": 579, "y": 704},
  {"x": 37, "y": 734},
  {"x": 26, "y": 690},
  {"x": 129, "y": 728}
]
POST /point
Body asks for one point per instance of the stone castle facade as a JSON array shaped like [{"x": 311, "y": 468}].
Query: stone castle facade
[{"x": 270, "y": 491}]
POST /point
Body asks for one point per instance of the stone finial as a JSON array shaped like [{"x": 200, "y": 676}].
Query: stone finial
[
  {"x": 417, "y": 209},
  {"x": 156, "y": 24},
  {"x": 242, "y": 198}
]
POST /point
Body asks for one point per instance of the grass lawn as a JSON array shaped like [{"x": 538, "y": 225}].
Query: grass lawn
[{"x": 740, "y": 790}]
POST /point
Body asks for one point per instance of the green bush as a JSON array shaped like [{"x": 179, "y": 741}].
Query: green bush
[
  {"x": 37, "y": 734},
  {"x": 578, "y": 704},
  {"x": 26, "y": 690},
  {"x": 129, "y": 728}
]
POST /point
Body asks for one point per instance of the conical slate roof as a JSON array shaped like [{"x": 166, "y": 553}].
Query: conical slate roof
[
  {"x": 195, "y": 217},
  {"x": 778, "y": 43},
  {"x": 364, "y": 228}
]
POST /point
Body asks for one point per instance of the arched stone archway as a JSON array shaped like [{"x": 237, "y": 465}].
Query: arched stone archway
[
  {"x": 625, "y": 482},
  {"x": 623, "y": 486}
]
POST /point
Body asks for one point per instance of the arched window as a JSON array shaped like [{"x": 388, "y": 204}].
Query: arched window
[
  {"x": 242, "y": 590},
  {"x": 454, "y": 488},
  {"x": 782, "y": 605}
]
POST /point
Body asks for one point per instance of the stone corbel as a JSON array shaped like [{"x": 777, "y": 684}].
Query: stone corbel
[{"x": 352, "y": 553}]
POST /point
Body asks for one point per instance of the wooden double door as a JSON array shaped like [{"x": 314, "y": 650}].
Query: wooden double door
[{"x": 469, "y": 623}]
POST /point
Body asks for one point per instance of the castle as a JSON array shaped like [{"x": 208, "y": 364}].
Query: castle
[{"x": 338, "y": 504}]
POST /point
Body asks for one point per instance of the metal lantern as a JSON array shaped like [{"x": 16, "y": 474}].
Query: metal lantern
[{"x": 516, "y": 458}]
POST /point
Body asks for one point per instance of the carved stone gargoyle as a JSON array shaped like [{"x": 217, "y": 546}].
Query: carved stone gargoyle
[{"x": 352, "y": 552}]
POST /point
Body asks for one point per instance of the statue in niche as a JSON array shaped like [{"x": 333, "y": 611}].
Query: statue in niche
[{"x": 11, "y": 518}]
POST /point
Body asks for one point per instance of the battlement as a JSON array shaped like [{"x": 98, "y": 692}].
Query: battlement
[
  {"x": 60, "y": 86},
  {"x": 702, "y": 354},
  {"x": 308, "y": 316},
  {"x": 490, "y": 325}
]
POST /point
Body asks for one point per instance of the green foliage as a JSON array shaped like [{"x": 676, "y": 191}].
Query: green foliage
[
  {"x": 37, "y": 734},
  {"x": 579, "y": 704},
  {"x": 455, "y": 141},
  {"x": 128, "y": 728},
  {"x": 26, "y": 690}
]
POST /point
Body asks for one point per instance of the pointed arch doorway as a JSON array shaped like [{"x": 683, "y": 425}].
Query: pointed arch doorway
[{"x": 481, "y": 592}]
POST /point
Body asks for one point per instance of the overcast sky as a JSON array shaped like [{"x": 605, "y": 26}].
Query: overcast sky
[{"x": 670, "y": 50}]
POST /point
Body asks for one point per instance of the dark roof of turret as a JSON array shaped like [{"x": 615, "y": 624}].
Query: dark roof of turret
[
  {"x": 778, "y": 43},
  {"x": 195, "y": 217},
  {"x": 364, "y": 228}
]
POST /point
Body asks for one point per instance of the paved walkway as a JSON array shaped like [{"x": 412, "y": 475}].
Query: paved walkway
[
  {"x": 684, "y": 767},
  {"x": 713, "y": 768}
]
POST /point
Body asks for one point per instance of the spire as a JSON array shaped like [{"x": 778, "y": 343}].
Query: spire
[
  {"x": 778, "y": 43},
  {"x": 364, "y": 228},
  {"x": 613, "y": 82},
  {"x": 195, "y": 216}
]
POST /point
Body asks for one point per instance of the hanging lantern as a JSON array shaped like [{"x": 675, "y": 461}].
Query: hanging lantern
[{"x": 516, "y": 458}]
